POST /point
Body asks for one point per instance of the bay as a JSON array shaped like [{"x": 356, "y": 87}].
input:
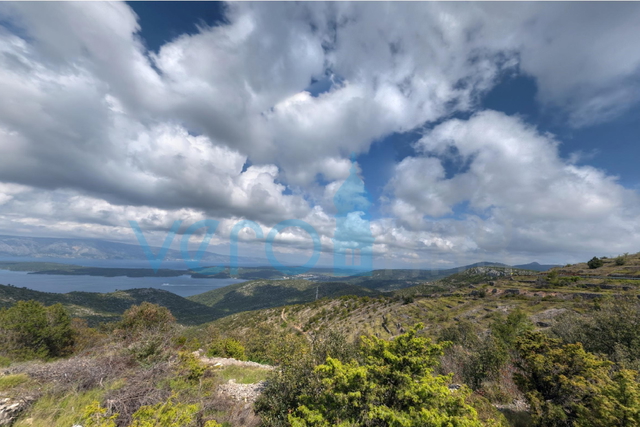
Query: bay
[{"x": 182, "y": 285}]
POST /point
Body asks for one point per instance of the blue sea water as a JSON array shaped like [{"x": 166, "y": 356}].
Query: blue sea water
[{"x": 183, "y": 285}]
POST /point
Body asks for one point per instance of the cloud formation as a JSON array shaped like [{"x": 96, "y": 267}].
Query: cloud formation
[{"x": 95, "y": 130}]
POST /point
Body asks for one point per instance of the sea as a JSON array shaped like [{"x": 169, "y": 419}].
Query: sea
[{"x": 182, "y": 285}]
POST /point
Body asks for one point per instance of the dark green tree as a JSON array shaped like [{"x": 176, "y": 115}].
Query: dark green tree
[
  {"x": 30, "y": 330},
  {"x": 564, "y": 384},
  {"x": 507, "y": 330},
  {"x": 595, "y": 262}
]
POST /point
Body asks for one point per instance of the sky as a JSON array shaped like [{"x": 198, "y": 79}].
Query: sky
[{"x": 482, "y": 131}]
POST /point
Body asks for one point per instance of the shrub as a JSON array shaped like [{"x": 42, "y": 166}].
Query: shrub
[
  {"x": 194, "y": 368},
  {"x": 296, "y": 377},
  {"x": 567, "y": 386},
  {"x": 148, "y": 350},
  {"x": 146, "y": 317},
  {"x": 463, "y": 332},
  {"x": 227, "y": 347},
  {"x": 621, "y": 260},
  {"x": 610, "y": 329},
  {"x": 595, "y": 262},
  {"x": 30, "y": 330},
  {"x": 407, "y": 299},
  {"x": 484, "y": 362},
  {"x": 167, "y": 414},
  {"x": 85, "y": 337},
  {"x": 624, "y": 394},
  {"x": 97, "y": 416},
  {"x": 4, "y": 362},
  {"x": 513, "y": 326},
  {"x": 393, "y": 384}
]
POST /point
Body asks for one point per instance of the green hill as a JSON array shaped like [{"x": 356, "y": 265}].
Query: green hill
[
  {"x": 478, "y": 294},
  {"x": 260, "y": 294},
  {"x": 247, "y": 296},
  {"x": 97, "y": 307}
]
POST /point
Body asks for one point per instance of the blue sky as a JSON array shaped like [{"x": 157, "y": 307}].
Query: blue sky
[{"x": 482, "y": 131}]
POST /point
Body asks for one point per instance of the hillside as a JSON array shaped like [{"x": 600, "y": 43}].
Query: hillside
[
  {"x": 247, "y": 296},
  {"x": 262, "y": 294},
  {"x": 97, "y": 307},
  {"x": 477, "y": 294},
  {"x": 624, "y": 266},
  {"x": 480, "y": 310},
  {"x": 472, "y": 276}
]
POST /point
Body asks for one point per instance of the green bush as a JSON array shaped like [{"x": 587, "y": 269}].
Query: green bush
[
  {"x": 193, "y": 367},
  {"x": 515, "y": 324},
  {"x": 227, "y": 347},
  {"x": 296, "y": 377},
  {"x": 146, "y": 317},
  {"x": 4, "y": 362},
  {"x": 484, "y": 362},
  {"x": 463, "y": 332},
  {"x": 148, "y": 350},
  {"x": 392, "y": 385},
  {"x": 595, "y": 262},
  {"x": 567, "y": 386},
  {"x": 30, "y": 330},
  {"x": 611, "y": 328},
  {"x": 166, "y": 414}
]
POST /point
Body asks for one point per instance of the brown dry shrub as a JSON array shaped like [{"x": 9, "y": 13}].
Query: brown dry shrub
[
  {"x": 139, "y": 389},
  {"x": 79, "y": 373}
]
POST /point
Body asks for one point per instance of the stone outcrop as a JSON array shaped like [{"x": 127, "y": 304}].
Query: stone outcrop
[{"x": 10, "y": 409}]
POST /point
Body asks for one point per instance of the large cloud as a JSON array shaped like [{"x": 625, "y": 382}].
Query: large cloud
[
  {"x": 516, "y": 187},
  {"x": 220, "y": 123}
]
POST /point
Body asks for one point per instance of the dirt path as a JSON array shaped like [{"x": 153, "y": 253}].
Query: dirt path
[{"x": 293, "y": 325}]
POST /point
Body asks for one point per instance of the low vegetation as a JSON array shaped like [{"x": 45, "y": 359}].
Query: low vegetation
[{"x": 492, "y": 346}]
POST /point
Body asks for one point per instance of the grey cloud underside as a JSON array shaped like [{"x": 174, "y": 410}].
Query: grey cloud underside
[{"x": 95, "y": 130}]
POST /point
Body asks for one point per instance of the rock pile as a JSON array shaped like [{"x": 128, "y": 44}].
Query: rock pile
[
  {"x": 11, "y": 408},
  {"x": 242, "y": 392}
]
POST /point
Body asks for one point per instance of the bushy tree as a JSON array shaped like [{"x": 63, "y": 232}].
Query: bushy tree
[
  {"x": 509, "y": 329},
  {"x": 568, "y": 386},
  {"x": 30, "y": 330},
  {"x": 294, "y": 378},
  {"x": 484, "y": 362},
  {"x": 393, "y": 385},
  {"x": 479, "y": 357},
  {"x": 595, "y": 262}
]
